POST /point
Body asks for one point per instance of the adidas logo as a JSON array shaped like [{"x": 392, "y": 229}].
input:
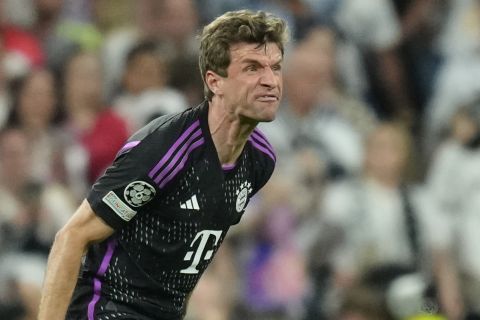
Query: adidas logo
[{"x": 190, "y": 204}]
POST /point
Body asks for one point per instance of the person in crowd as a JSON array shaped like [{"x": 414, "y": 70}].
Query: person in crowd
[
  {"x": 389, "y": 225},
  {"x": 61, "y": 36},
  {"x": 171, "y": 24},
  {"x": 276, "y": 274},
  {"x": 22, "y": 50},
  {"x": 36, "y": 112},
  {"x": 452, "y": 181},
  {"x": 32, "y": 211},
  {"x": 316, "y": 113},
  {"x": 92, "y": 125},
  {"x": 31, "y": 214},
  {"x": 369, "y": 57},
  {"x": 145, "y": 93},
  {"x": 457, "y": 44},
  {"x": 421, "y": 24}
]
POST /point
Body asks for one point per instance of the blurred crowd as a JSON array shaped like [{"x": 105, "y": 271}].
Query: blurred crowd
[{"x": 373, "y": 211}]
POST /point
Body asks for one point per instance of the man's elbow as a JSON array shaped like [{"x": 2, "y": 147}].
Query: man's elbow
[{"x": 72, "y": 238}]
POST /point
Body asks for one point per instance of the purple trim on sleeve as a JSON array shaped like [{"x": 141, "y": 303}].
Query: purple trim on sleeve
[
  {"x": 192, "y": 147},
  {"x": 262, "y": 140},
  {"x": 129, "y": 146},
  {"x": 180, "y": 153},
  {"x": 258, "y": 139},
  {"x": 97, "y": 282},
  {"x": 261, "y": 134},
  {"x": 262, "y": 149},
  {"x": 172, "y": 149}
]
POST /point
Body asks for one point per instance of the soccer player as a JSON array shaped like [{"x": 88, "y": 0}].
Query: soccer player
[{"x": 153, "y": 222}]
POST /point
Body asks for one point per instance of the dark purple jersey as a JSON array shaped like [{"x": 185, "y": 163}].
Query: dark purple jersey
[{"x": 171, "y": 204}]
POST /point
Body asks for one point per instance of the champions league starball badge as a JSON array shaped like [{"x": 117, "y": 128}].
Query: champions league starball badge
[{"x": 138, "y": 193}]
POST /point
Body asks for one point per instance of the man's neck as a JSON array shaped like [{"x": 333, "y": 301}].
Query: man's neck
[{"x": 229, "y": 132}]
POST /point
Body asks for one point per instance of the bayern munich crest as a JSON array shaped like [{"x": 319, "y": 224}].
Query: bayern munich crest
[
  {"x": 242, "y": 195},
  {"x": 138, "y": 193}
]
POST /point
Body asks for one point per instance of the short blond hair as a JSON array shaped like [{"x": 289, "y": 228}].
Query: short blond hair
[{"x": 235, "y": 27}]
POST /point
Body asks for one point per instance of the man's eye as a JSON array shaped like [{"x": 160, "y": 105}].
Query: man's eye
[
  {"x": 277, "y": 67},
  {"x": 251, "y": 67}
]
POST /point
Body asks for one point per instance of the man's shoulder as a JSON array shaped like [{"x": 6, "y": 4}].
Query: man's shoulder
[
  {"x": 162, "y": 132},
  {"x": 170, "y": 124},
  {"x": 263, "y": 157},
  {"x": 261, "y": 146}
]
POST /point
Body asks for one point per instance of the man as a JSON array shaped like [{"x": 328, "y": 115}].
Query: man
[{"x": 154, "y": 221}]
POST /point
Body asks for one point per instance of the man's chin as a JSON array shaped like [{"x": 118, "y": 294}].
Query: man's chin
[
  {"x": 269, "y": 114},
  {"x": 255, "y": 120},
  {"x": 261, "y": 113},
  {"x": 268, "y": 119},
  {"x": 266, "y": 116}
]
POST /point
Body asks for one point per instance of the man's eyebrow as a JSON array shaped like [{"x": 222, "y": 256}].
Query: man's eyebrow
[
  {"x": 255, "y": 61},
  {"x": 250, "y": 60}
]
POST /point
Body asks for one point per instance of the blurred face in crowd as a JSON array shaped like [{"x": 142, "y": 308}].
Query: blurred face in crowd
[
  {"x": 83, "y": 81},
  {"x": 387, "y": 152},
  {"x": 145, "y": 71},
  {"x": 178, "y": 20},
  {"x": 308, "y": 73},
  {"x": 174, "y": 20},
  {"x": 253, "y": 86},
  {"x": 37, "y": 100},
  {"x": 147, "y": 13},
  {"x": 14, "y": 157},
  {"x": 49, "y": 8}
]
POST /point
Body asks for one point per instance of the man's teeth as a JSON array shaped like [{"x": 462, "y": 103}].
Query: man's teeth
[{"x": 269, "y": 97}]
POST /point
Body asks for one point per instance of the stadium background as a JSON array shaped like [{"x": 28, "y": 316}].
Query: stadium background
[{"x": 375, "y": 199}]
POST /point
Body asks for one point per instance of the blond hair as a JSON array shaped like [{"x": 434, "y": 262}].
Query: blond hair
[{"x": 235, "y": 27}]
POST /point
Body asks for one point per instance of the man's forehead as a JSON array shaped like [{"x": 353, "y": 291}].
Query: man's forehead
[{"x": 243, "y": 50}]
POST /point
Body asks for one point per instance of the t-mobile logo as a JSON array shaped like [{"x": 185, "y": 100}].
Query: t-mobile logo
[{"x": 203, "y": 236}]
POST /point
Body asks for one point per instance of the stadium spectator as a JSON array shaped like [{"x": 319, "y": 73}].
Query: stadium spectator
[
  {"x": 145, "y": 94},
  {"x": 35, "y": 111},
  {"x": 92, "y": 125},
  {"x": 388, "y": 224},
  {"x": 452, "y": 182}
]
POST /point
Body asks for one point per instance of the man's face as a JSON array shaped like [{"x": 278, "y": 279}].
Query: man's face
[{"x": 253, "y": 87}]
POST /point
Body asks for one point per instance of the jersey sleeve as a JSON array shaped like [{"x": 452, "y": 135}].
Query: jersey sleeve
[
  {"x": 265, "y": 159},
  {"x": 264, "y": 175},
  {"x": 129, "y": 186}
]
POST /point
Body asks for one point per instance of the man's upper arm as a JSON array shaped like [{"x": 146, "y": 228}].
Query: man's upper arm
[{"x": 87, "y": 226}]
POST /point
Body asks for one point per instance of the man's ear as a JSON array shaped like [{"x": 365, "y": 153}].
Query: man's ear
[{"x": 214, "y": 82}]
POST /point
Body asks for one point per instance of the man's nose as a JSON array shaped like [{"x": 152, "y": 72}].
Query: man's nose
[{"x": 268, "y": 78}]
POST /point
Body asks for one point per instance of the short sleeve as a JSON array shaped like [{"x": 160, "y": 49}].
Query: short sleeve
[
  {"x": 133, "y": 182},
  {"x": 265, "y": 159},
  {"x": 126, "y": 188}
]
